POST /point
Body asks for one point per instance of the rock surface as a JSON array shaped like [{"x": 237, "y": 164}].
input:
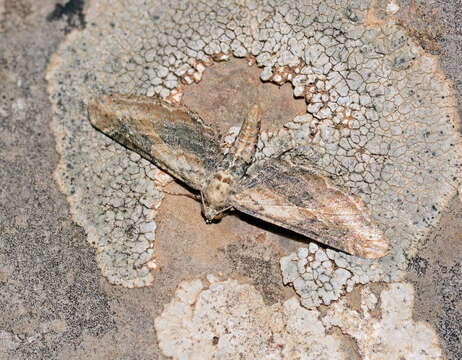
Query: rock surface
[{"x": 55, "y": 302}]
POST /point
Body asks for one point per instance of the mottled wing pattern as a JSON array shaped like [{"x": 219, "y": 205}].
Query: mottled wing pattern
[
  {"x": 171, "y": 137},
  {"x": 311, "y": 205}
]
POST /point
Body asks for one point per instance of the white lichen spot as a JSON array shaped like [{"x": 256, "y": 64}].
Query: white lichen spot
[
  {"x": 229, "y": 138},
  {"x": 392, "y": 335},
  {"x": 392, "y": 7},
  {"x": 160, "y": 177},
  {"x": 229, "y": 320}
]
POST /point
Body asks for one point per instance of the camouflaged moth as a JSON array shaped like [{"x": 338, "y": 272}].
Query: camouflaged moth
[{"x": 176, "y": 140}]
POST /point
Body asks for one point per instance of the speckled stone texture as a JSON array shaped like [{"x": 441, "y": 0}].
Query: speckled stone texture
[{"x": 55, "y": 303}]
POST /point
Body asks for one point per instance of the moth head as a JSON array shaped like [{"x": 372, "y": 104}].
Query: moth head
[
  {"x": 215, "y": 196},
  {"x": 212, "y": 214}
]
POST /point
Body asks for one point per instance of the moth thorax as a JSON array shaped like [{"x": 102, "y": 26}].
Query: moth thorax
[{"x": 217, "y": 191}]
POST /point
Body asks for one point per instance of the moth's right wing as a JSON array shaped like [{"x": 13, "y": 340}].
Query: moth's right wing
[
  {"x": 309, "y": 204},
  {"x": 171, "y": 137}
]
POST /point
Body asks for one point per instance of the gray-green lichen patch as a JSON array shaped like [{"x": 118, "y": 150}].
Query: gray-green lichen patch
[
  {"x": 204, "y": 321},
  {"x": 380, "y": 116},
  {"x": 321, "y": 276},
  {"x": 114, "y": 198}
]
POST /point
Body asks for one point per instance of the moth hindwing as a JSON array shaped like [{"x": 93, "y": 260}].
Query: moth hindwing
[{"x": 176, "y": 140}]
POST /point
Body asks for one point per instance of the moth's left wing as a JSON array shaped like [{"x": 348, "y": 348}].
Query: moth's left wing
[
  {"x": 311, "y": 205},
  {"x": 172, "y": 137}
]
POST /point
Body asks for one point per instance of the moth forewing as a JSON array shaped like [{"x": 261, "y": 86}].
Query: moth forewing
[
  {"x": 311, "y": 205},
  {"x": 171, "y": 137}
]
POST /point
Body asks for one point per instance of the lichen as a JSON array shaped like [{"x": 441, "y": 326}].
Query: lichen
[
  {"x": 391, "y": 335},
  {"x": 322, "y": 276},
  {"x": 380, "y": 116},
  {"x": 226, "y": 319},
  {"x": 229, "y": 320}
]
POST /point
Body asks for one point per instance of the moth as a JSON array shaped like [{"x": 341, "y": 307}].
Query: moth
[{"x": 176, "y": 140}]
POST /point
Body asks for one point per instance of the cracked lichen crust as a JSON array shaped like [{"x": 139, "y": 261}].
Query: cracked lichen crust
[
  {"x": 321, "y": 276},
  {"x": 204, "y": 321},
  {"x": 380, "y": 117}
]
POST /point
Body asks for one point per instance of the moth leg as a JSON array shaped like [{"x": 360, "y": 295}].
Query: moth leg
[{"x": 188, "y": 195}]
